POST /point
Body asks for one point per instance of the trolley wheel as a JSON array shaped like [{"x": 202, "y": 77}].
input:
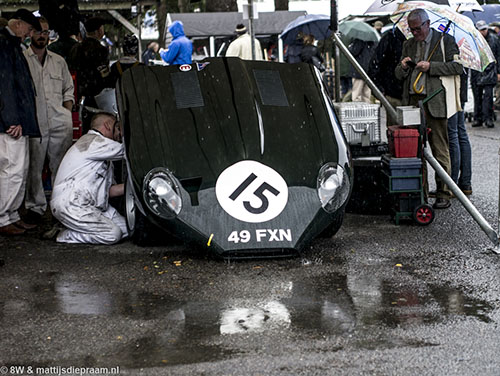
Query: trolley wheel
[{"x": 423, "y": 215}]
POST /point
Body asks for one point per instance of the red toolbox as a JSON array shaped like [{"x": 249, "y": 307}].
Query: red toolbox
[{"x": 403, "y": 141}]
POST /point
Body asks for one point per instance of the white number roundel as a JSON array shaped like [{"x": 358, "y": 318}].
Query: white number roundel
[{"x": 251, "y": 192}]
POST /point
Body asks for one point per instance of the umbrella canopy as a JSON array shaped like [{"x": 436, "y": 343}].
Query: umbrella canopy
[
  {"x": 317, "y": 25},
  {"x": 475, "y": 52},
  {"x": 381, "y": 7},
  {"x": 465, "y": 5},
  {"x": 491, "y": 13},
  {"x": 358, "y": 30}
]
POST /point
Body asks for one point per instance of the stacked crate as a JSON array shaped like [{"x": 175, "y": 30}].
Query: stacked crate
[{"x": 404, "y": 170}]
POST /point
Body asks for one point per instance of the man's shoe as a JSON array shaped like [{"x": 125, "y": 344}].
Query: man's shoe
[
  {"x": 441, "y": 203},
  {"x": 11, "y": 230},
  {"x": 477, "y": 124},
  {"x": 466, "y": 189},
  {"x": 25, "y": 226},
  {"x": 490, "y": 124},
  {"x": 33, "y": 218}
]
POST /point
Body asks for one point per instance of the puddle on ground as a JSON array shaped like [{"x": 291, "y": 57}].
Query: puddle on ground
[{"x": 194, "y": 331}]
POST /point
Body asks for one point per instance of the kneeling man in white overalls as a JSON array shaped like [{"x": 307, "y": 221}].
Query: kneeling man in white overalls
[{"x": 84, "y": 183}]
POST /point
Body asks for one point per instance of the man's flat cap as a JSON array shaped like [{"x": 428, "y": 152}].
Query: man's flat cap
[
  {"x": 481, "y": 25},
  {"x": 28, "y": 17}
]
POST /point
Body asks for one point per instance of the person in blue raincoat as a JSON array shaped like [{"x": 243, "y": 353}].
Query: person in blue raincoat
[{"x": 180, "y": 50}]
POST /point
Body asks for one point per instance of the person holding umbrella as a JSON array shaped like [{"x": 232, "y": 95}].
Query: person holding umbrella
[
  {"x": 363, "y": 52},
  {"x": 363, "y": 40},
  {"x": 310, "y": 53},
  {"x": 433, "y": 54}
]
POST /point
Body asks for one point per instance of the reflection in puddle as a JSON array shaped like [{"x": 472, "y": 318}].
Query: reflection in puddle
[
  {"x": 257, "y": 319},
  {"x": 333, "y": 303},
  {"x": 82, "y": 299},
  {"x": 195, "y": 331}
]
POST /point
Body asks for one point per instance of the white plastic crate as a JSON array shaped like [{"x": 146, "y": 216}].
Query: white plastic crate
[{"x": 360, "y": 122}]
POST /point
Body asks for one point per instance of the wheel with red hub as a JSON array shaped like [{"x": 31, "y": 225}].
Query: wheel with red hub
[{"x": 423, "y": 215}]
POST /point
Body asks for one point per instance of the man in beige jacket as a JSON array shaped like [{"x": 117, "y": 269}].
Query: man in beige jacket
[
  {"x": 242, "y": 46},
  {"x": 54, "y": 100}
]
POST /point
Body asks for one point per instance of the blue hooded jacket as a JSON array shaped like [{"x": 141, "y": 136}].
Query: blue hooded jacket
[{"x": 181, "y": 48}]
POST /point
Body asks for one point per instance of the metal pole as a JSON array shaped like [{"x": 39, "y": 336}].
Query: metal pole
[
  {"x": 497, "y": 248},
  {"x": 280, "y": 50},
  {"x": 250, "y": 27},
  {"x": 378, "y": 94},
  {"x": 212, "y": 46},
  {"x": 139, "y": 26},
  {"x": 485, "y": 226},
  {"x": 334, "y": 26},
  {"x": 337, "y": 74}
]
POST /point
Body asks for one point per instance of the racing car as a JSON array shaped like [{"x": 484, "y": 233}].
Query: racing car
[{"x": 240, "y": 157}]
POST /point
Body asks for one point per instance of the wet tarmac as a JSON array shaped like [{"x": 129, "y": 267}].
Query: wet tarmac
[{"x": 377, "y": 299}]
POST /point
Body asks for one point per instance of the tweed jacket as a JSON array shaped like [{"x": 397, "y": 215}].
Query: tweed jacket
[{"x": 438, "y": 67}]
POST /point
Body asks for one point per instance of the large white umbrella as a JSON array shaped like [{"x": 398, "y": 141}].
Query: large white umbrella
[
  {"x": 384, "y": 7},
  {"x": 475, "y": 53}
]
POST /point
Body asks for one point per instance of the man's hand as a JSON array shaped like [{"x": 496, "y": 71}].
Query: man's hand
[
  {"x": 117, "y": 190},
  {"x": 423, "y": 66},
  {"x": 404, "y": 62},
  {"x": 15, "y": 131},
  {"x": 498, "y": 77}
]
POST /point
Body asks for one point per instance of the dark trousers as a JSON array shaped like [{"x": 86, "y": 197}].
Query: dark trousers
[
  {"x": 483, "y": 103},
  {"x": 345, "y": 85}
]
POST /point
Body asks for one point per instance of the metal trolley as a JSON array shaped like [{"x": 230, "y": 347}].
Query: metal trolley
[{"x": 405, "y": 184}]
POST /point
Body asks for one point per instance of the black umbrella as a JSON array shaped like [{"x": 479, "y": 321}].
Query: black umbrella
[{"x": 491, "y": 13}]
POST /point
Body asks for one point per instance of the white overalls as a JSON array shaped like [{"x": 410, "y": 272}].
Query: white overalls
[{"x": 81, "y": 192}]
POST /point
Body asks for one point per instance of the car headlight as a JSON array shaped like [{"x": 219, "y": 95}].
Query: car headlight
[
  {"x": 161, "y": 193},
  {"x": 333, "y": 187}
]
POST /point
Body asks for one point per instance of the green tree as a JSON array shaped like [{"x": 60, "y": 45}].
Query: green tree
[{"x": 221, "y": 6}]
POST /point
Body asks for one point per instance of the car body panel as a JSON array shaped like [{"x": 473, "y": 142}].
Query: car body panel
[{"x": 199, "y": 122}]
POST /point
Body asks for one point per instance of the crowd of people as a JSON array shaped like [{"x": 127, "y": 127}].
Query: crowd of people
[
  {"x": 41, "y": 84},
  {"x": 38, "y": 94},
  {"x": 394, "y": 63},
  {"x": 448, "y": 138},
  {"x": 37, "y": 97}
]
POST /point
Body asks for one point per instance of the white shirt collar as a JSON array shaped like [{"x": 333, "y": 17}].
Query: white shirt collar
[{"x": 10, "y": 31}]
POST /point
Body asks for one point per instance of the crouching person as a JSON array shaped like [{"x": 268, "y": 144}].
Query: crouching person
[{"x": 84, "y": 183}]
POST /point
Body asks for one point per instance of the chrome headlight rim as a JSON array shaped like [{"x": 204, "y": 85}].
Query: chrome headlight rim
[
  {"x": 334, "y": 197},
  {"x": 168, "y": 177}
]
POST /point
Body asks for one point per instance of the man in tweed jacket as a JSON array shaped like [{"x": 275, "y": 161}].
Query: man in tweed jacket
[{"x": 414, "y": 60}]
